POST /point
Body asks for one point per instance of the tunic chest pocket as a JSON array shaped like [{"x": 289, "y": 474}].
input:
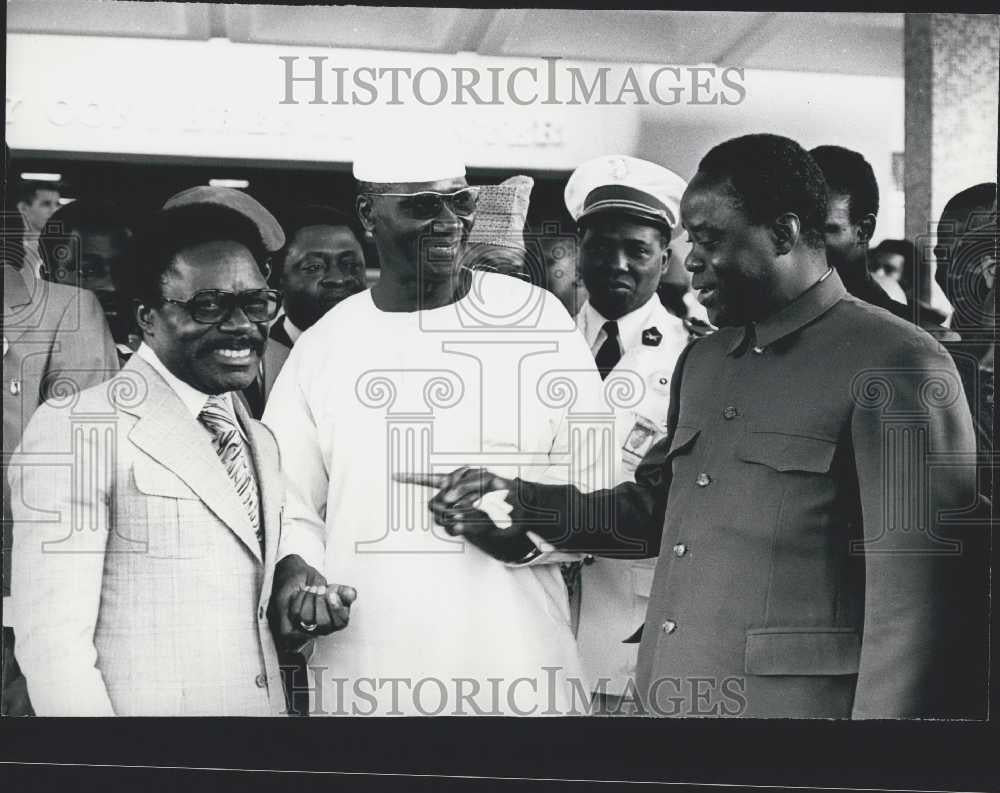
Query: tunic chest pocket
[
  {"x": 168, "y": 508},
  {"x": 787, "y": 452}
]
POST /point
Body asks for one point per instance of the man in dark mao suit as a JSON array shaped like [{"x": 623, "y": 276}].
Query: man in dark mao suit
[{"x": 811, "y": 501}]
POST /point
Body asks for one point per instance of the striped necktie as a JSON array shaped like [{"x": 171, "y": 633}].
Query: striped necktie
[{"x": 218, "y": 418}]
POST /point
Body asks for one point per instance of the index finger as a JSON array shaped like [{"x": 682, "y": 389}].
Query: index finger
[{"x": 436, "y": 481}]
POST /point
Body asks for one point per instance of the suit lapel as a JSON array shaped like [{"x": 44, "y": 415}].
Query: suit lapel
[
  {"x": 275, "y": 355},
  {"x": 17, "y": 306},
  {"x": 169, "y": 434}
]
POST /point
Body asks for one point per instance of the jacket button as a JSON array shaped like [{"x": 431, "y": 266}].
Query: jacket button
[
  {"x": 703, "y": 480},
  {"x": 680, "y": 549},
  {"x": 758, "y": 350},
  {"x": 669, "y": 626},
  {"x": 588, "y": 559},
  {"x": 730, "y": 413},
  {"x": 260, "y": 613},
  {"x": 261, "y": 681}
]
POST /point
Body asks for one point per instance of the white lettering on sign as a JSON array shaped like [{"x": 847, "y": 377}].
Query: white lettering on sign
[{"x": 199, "y": 119}]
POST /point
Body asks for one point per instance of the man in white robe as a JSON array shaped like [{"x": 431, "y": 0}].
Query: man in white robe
[{"x": 434, "y": 366}]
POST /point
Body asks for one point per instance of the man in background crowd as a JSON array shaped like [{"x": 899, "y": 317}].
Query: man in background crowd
[
  {"x": 321, "y": 264},
  {"x": 852, "y": 212},
  {"x": 891, "y": 264},
  {"x": 85, "y": 244},
  {"x": 36, "y": 201},
  {"x": 55, "y": 342},
  {"x": 968, "y": 237},
  {"x": 626, "y": 210}
]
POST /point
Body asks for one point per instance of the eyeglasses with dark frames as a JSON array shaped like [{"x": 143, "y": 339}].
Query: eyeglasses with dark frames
[
  {"x": 212, "y": 306},
  {"x": 427, "y": 204}
]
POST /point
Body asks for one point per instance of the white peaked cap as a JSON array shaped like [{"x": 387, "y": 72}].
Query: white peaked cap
[
  {"x": 401, "y": 151},
  {"x": 625, "y": 184}
]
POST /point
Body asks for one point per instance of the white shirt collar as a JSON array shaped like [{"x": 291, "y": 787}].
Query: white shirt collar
[
  {"x": 193, "y": 399},
  {"x": 292, "y": 331},
  {"x": 630, "y": 327}
]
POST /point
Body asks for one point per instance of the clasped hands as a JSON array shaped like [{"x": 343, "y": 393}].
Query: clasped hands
[
  {"x": 303, "y": 605},
  {"x": 471, "y": 503}
]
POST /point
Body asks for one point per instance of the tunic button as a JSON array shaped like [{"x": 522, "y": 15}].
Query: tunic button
[
  {"x": 680, "y": 549},
  {"x": 730, "y": 413},
  {"x": 758, "y": 350},
  {"x": 588, "y": 559},
  {"x": 703, "y": 480},
  {"x": 669, "y": 626},
  {"x": 261, "y": 681}
]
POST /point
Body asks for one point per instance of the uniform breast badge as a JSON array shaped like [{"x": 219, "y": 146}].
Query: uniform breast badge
[{"x": 652, "y": 337}]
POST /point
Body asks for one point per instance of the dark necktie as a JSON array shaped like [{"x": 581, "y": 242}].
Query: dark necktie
[
  {"x": 228, "y": 442},
  {"x": 610, "y": 352},
  {"x": 254, "y": 394}
]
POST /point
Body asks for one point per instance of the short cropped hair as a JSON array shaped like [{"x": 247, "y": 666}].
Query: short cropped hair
[
  {"x": 848, "y": 173},
  {"x": 768, "y": 175},
  {"x": 69, "y": 220},
  {"x": 170, "y": 231},
  {"x": 979, "y": 198},
  {"x": 27, "y": 189},
  {"x": 302, "y": 217}
]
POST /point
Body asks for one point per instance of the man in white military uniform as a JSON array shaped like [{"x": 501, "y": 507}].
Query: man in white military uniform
[
  {"x": 432, "y": 366},
  {"x": 626, "y": 210}
]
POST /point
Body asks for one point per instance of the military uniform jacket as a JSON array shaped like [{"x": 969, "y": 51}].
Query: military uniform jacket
[
  {"x": 615, "y": 592},
  {"x": 805, "y": 508}
]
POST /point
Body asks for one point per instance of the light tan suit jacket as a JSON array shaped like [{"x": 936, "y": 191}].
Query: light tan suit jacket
[
  {"x": 55, "y": 337},
  {"x": 139, "y": 584}
]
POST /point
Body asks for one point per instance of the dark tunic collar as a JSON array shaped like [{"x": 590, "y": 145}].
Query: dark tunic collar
[{"x": 811, "y": 304}]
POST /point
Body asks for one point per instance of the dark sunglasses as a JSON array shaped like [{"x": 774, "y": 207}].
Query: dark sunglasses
[
  {"x": 212, "y": 306},
  {"x": 428, "y": 204}
]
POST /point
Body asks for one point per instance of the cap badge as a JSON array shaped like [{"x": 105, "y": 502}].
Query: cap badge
[
  {"x": 619, "y": 168},
  {"x": 652, "y": 337}
]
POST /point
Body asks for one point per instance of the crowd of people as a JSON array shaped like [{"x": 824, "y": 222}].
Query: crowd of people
[{"x": 703, "y": 454}]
